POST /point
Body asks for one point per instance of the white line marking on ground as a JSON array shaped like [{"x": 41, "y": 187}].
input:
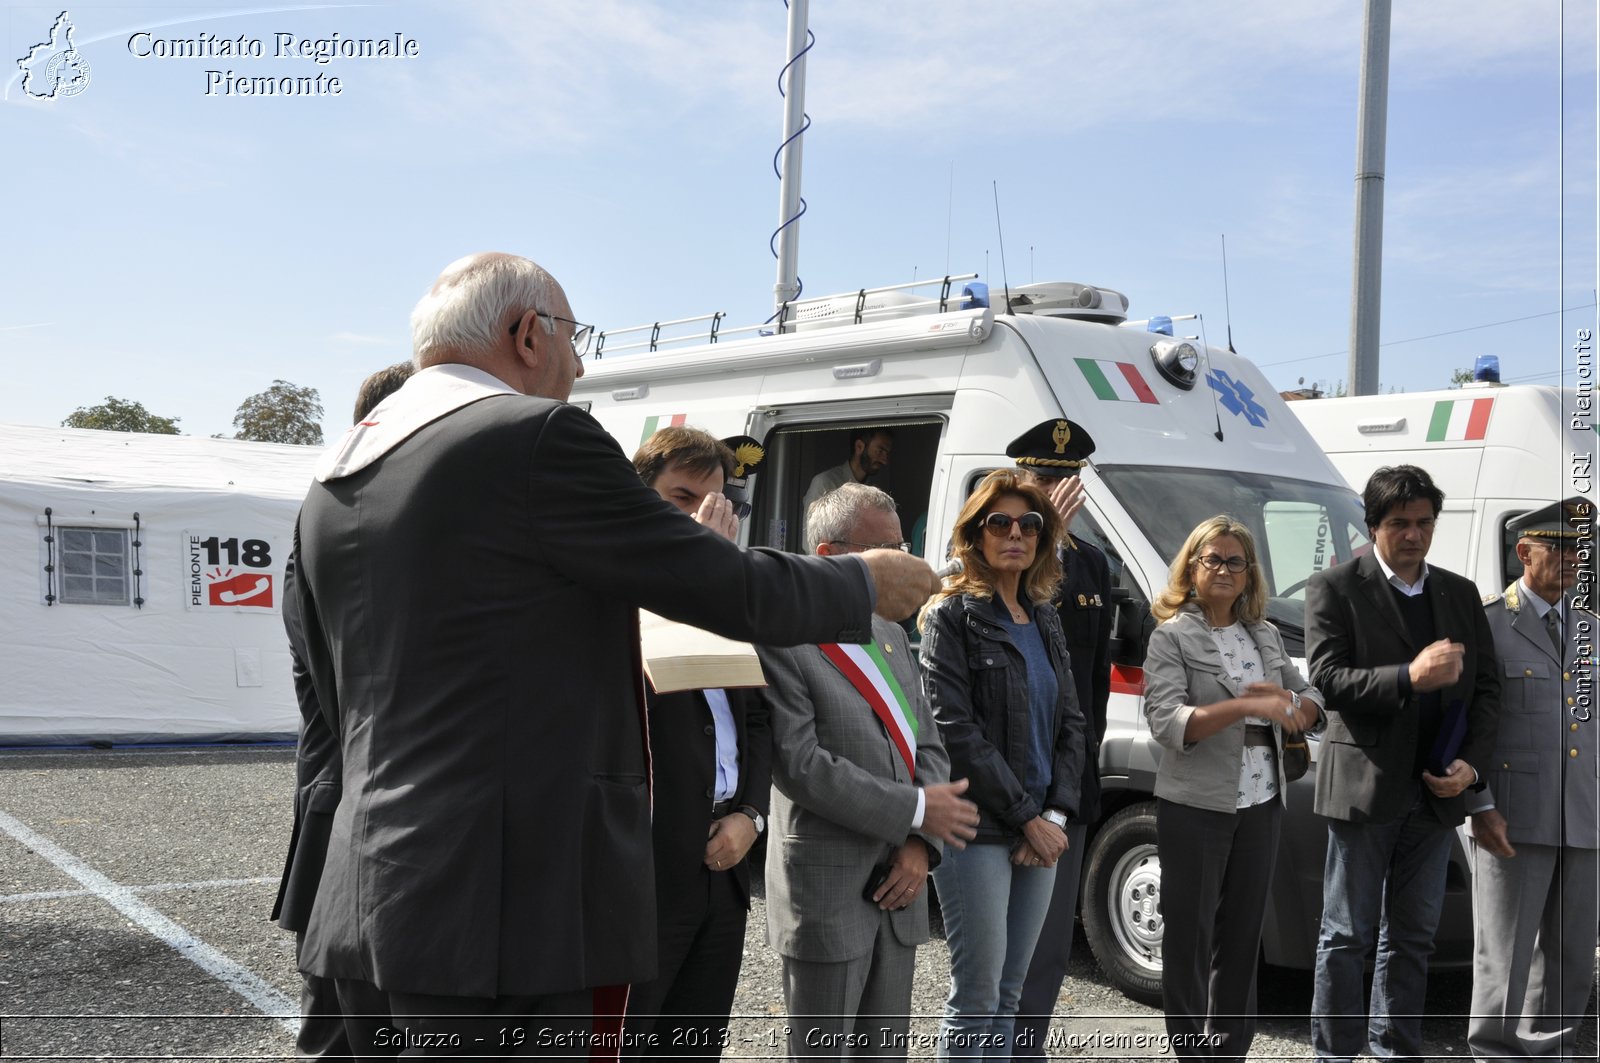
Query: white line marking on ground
[
  {"x": 53, "y": 895},
  {"x": 263, "y": 997},
  {"x": 158, "y": 887}
]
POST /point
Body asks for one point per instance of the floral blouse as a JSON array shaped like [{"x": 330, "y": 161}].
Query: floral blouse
[{"x": 1241, "y": 662}]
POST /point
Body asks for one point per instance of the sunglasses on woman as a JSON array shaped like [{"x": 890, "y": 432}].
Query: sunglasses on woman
[{"x": 1000, "y": 523}]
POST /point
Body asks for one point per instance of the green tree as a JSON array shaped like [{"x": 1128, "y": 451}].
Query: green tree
[
  {"x": 283, "y": 413},
  {"x": 120, "y": 415},
  {"x": 1459, "y": 377}
]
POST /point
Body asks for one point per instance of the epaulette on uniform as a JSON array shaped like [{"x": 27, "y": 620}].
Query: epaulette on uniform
[{"x": 1490, "y": 599}]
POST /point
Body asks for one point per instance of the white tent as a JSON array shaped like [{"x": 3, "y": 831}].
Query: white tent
[{"x": 141, "y": 586}]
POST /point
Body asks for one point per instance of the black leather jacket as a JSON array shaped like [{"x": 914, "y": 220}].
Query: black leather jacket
[{"x": 976, "y": 680}]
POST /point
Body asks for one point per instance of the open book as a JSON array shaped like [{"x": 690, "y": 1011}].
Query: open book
[{"x": 680, "y": 657}]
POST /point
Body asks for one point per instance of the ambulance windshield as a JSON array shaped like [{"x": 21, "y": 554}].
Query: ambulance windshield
[{"x": 1299, "y": 527}]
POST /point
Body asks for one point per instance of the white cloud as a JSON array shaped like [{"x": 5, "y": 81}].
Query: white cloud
[
  {"x": 358, "y": 339},
  {"x": 572, "y": 73},
  {"x": 577, "y": 71},
  {"x": 1469, "y": 226}
]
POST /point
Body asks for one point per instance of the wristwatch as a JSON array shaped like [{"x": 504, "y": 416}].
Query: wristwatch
[
  {"x": 1056, "y": 816},
  {"x": 755, "y": 817}
]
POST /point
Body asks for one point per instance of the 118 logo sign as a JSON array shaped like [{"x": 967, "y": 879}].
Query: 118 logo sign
[{"x": 229, "y": 573}]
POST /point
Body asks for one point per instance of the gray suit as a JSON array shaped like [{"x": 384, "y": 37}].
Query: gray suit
[
  {"x": 842, "y": 801},
  {"x": 1536, "y": 912}
]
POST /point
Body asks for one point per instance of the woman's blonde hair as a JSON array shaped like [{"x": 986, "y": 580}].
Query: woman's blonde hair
[
  {"x": 1042, "y": 577},
  {"x": 1252, "y": 604}
]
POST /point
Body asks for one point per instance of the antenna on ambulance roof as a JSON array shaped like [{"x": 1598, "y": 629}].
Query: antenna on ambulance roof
[
  {"x": 1005, "y": 278},
  {"x": 1227, "y": 306},
  {"x": 949, "y": 215},
  {"x": 1205, "y": 347}
]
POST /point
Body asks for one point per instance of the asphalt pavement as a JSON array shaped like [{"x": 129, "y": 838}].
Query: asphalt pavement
[{"x": 135, "y": 886}]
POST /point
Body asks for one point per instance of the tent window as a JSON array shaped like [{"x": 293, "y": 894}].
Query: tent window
[{"x": 94, "y": 566}]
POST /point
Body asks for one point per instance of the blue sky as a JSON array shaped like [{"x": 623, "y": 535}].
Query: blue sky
[{"x": 184, "y": 250}]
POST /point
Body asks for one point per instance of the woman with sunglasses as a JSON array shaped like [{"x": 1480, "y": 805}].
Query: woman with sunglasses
[
  {"x": 1220, "y": 694},
  {"x": 996, "y": 671}
]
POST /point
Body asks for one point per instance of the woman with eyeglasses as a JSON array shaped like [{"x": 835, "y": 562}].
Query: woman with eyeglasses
[
  {"x": 1220, "y": 694},
  {"x": 996, "y": 672}
]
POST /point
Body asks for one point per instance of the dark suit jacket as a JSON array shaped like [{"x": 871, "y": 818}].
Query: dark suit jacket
[
  {"x": 470, "y": 608},
  {"x": 318, "y": 772},
  {"x": 1084, "y": 605},
  {"x": 683, "y": 751},
  {"x": 1355, "y": 641}
]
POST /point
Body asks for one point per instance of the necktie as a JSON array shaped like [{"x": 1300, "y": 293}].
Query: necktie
[{"x": 1552, "y": 625}]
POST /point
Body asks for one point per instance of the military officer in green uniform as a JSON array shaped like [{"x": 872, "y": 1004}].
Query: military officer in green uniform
[{"x": 1536, "y": 833}]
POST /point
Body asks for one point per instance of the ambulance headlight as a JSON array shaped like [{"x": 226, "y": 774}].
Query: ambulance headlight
[{"x": 1176, "y": 361}]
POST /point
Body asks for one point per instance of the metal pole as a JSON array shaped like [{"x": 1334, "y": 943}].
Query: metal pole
[
  {"x": 794, "y": 109},
  {"x": 1366, "y": 298}
]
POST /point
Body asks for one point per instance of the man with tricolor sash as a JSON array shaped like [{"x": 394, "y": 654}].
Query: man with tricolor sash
[{"x": 861, "y": 809}]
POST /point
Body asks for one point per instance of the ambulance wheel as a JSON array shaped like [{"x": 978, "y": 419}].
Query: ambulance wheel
[{"x": 1122, "y": 903}]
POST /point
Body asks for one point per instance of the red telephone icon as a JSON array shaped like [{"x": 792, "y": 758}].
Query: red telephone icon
[{"x": 243, "y": 589}]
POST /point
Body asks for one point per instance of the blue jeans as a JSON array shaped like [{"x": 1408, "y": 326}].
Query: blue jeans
[
  {"x": 992, "y": 914},
  {"x": 1383, "y": 882},
  {"x": 1036, "y": 1004}
]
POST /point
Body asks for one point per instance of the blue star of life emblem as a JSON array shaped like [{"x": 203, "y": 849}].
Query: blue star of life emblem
[{"x": 1236, "y": 397}]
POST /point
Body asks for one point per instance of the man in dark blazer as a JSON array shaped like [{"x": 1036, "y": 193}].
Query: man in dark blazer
[
  {"x": 711, "y": 758},
  {"x": 1404, "y": 655},
  {"x": 318, "y": 777},
  {"x": 317, "y": 787},
  {"x": 1054, "y": 453},
  {"x": 472, "y": 558}
]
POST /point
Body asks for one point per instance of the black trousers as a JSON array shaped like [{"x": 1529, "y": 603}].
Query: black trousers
[
  {"x": 321, "y": 1033},
  {"x": 683, "y": 1012},
  {"x": 383, "y": 1025},
  {"x": 1215, "y": 870}
]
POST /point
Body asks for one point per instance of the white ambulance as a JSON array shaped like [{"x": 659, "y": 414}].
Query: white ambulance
[
  {"x": 1496, "y": 451},
  {"x": 1183, "y": 432}
]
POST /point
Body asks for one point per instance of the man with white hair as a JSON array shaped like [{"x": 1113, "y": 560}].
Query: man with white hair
[{"x": 473, "y": 554}]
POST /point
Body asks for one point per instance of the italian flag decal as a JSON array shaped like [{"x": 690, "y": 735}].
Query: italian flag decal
[
  {"x": 1455, "y": 419},
  {"x": 667, "y": 420},
  {"x": 869, "y": 673},
  {"x": 1115, "y": 381}
]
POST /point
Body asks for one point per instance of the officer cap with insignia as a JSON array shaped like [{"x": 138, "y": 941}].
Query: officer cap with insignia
[
  {"x": 747, "y": 454},
  {"x": 1057, "y": 447},
  {"x": 1558, "y": 522}
]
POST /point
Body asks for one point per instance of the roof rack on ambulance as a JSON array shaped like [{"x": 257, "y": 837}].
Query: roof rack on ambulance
[{"x": 852, "y": 308}]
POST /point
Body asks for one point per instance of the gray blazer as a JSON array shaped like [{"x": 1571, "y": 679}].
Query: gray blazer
[
  {"x": 1542, "y": 774},
  {"x": 1183, "y": 670},
  {"x": 842, "y": 800}
]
